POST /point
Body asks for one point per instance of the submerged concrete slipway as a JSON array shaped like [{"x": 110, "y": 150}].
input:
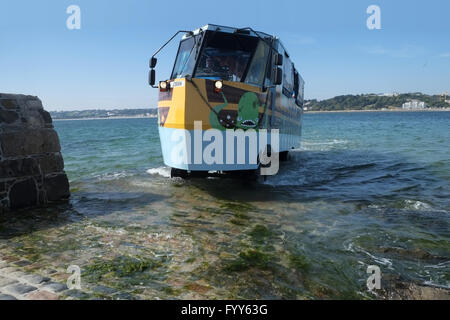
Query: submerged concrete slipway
[{"x": 364, "y": 189}]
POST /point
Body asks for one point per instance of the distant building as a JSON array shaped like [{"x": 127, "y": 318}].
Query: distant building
[
  {"x": 414, "y": 104},
  {"x": 394, "y": 94}
]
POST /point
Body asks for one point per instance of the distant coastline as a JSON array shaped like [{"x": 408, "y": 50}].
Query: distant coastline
[
  {"x": 381, "y": 110},
  {"x": 107, "y": 118},
  {"x": 395, "y": 102},
  {"x": 307, "y": 112}
]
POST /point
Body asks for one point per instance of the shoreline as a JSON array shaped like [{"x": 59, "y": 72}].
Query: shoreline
[
  {"x": 383, "y": 110},
  {"x": 107, "y": 118},
  {"x": 306, "y": 112}
]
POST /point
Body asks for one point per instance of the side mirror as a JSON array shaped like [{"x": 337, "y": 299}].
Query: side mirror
[
  {"x": 153, "y": 62},
  {"x": 151, "y": 78},
  {"x": 278, "y": 76},
  {"x": 278, "y": 59}
]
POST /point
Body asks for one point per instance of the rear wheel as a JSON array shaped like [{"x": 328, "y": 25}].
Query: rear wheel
[{"x": 284, "y": 156}]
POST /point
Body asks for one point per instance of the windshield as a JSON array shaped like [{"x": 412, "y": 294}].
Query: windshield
[
  {"x": 225, "y": 56},
  {"x": 185, "y": 62}
]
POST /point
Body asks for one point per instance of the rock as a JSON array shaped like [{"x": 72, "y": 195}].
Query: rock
[
  {"x": 19, "y": 288},
  {"x": 123, "y": 296},
  {"x": 6, "y": 297},
  {"x": 55, "y": 287},
  {"x": 22, "y": 263},
  {"x": 394, "y": 287},
  {"x": 8, "y": 270},
  {"x": 42, "y": 295},
  {"x": 31, "y": 165},
  {"x": 76, "y": 294},
  {"x": 104, "y": 290},
  {"x": 35, "y": 279},
  {"x": 6, "y": 281}
]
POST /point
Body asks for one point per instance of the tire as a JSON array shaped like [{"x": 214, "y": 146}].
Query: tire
[
  {"x": 178, "y": 173},
  {"x": 284, "y": 156}
]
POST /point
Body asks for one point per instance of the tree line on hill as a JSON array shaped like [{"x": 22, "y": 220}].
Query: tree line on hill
[{"x": 374, "y": 102}]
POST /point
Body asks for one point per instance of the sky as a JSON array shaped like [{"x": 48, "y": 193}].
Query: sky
[{"x": 104, "y": 64}]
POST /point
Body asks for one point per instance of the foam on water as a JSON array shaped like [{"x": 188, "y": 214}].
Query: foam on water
[
  {"x": 161, "y": 171},
  {"x": 112, "y": 176}
]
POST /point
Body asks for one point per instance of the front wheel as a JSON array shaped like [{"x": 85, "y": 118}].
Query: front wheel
[{"x": 178, "y": 173}]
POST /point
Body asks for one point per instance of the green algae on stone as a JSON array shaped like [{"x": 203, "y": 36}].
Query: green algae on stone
[
  {"x": 297, "y": 261},
  {"x": 260, "y": 233},
  {"x": 237, "y": 207},
  {"x": 251, "y": 258},
  {"x": 121, "y": 266}
]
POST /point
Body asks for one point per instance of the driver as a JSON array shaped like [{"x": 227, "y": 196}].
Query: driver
[{"x": 225, "y": 65}]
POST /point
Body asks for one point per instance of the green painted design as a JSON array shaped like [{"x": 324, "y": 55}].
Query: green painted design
[{"x": 248, "y": 112}]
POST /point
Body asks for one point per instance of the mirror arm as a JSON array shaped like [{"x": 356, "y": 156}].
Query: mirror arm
[{"x": 165, "y": 44}]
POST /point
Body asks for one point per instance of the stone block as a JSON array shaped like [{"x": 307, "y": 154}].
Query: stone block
[
  {"x": 55, "y": 287},
  {"x": 8, "y": 117},
  {"x": 34, "y": 103},
  {"x": 18, "y": 168},
  {"x": 9, "y": 103},
  {"x": 57, "y": 187},
  {"x": 46, "y": 116},
  {"x": 31, "y": 165},
  {"x": 42, "y": 295},
  {"x": 29, "y": 142},
  {"x": 19, "y": 288},
  {"x": 35, "y": 279},
  {"x": 51, "y": 163},
  {"x": 23, "y": 194},
  {"x": 6, "y": 281}
]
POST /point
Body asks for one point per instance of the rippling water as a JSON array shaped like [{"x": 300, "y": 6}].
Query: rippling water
[{"x": 364, "y": 189}]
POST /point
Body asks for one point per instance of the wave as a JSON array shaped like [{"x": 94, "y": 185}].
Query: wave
[
  {"x": 113, "y": 176},
  {"x": 350, "y": 246},
  {"x": 161, "y": 171},
  {"x": 416, "y": 205},
  {"x": 320, "y": 145}
]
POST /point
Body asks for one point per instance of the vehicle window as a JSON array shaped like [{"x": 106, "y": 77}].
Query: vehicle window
[
  {"x": 185, "y": 62},
  {"x": 288, "y": 76},
  {"x": 258, "y": 65},
  {"x": 225, "y": 56}
]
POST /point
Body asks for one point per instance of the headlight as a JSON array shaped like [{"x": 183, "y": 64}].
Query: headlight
[
  {"x": 163, "y": 86},
  {"x": 218, "y": 86}
]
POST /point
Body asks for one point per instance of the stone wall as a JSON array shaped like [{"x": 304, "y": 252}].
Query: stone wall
[{"x": 31, "y": 165}]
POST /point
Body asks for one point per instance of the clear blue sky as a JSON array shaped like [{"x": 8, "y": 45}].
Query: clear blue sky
[{"x": 105, "y": 64}]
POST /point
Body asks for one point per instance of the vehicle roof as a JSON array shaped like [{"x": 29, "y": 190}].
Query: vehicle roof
[
  {"x": 214, "y": 27},
  {"x": 226, "y": 29}
]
